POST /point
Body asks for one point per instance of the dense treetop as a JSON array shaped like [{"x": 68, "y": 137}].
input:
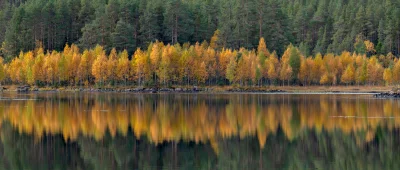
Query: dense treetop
[
  {"x": 175, "y": 65},
  {"x": 313, "y": 25}
]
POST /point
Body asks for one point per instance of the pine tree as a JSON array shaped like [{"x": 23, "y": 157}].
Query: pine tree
[
  {"x": 151, "y": 22},
  {"x": 177, "y": 21},
  {"x": 123, "y": 38}
]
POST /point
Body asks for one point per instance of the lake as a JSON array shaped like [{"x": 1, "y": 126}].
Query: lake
[{"x": 198, "y": 131}]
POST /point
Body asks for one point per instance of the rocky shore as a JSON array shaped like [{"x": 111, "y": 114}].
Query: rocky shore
[
  {"x": 394, "y": 93},
  {"x": 387, "y": 95},
  {"x": 384, "y": 91},
  {"x": 194, "y": 89},
  {"x": 255, "y": 90}
]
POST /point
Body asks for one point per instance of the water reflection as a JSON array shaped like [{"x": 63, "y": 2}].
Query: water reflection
[{"x": 198, "y": 131}]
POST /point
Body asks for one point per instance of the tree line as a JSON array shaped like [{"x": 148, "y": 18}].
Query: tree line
[
  {"x": 169, "y": 65},
  {"x": 315, "y": 26}
]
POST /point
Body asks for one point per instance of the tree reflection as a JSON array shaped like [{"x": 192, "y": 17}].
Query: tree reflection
[
  {"x": 309, "y": 150},
  {"x": 200, "y": 118},
  {"x": 198, "y": 131}
]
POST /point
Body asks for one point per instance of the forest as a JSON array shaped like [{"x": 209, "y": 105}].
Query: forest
[
  {"x": 212, "y": 42},
  {"x": 315, "y": 26}
]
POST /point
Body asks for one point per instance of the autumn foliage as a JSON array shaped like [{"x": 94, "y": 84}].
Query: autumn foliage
[{"x": 199, "y": 64}]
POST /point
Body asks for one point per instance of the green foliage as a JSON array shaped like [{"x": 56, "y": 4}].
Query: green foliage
[
  {"x": 124, "y": 37},
  {"x": 315, "y": 26},
  {"x": 294, "y": 62},
  {"x": 231, "y": 69}
]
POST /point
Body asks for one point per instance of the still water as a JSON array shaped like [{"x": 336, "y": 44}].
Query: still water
[{"x": 198, "y": 131}]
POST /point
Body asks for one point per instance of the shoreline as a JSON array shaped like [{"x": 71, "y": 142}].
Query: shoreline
[{"x": 213, "y": 89}]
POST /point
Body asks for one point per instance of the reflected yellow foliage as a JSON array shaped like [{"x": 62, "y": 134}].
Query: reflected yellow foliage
[{"x": 197, "y": 117}]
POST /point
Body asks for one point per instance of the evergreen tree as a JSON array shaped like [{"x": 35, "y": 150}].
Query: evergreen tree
[
  {"x": 123, "y": 38},
  {"x": 151, "y": 22},
  {"x": 317, "y": 26}
]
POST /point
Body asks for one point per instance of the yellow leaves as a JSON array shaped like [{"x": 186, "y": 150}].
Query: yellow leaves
[
  {"x": 360, "y": 60},
  {"x": 15, "y": 71},
  {"x": 387, "y": 76},
  {"x": 202, "y": 73},
  {"x": 348, "y": 75},
  {"x": 123, "y": 67},
  {"x": 20, "y": 66},
  {"x": 155, "y": 54},
  {"x": 196, "y": 64},
  {"x": 396, "y": 72},
  {"x": 214, "y": 40},
  {"x": 111, "y": 65},
  {"x": 231, "y": 69},
  {"x": 286, "y": 55},
  {"x": 324, "y": 79},
  {"x": 51, "y": 66},
  {"x": 262, "y": 48},
  {"x": 286, "y": 73},
  {"x": 28, "y": 62},
  {"x": 369, "y": 46},
  {"x": 316, "y": 71},
  {"x": 141, "y": 64},
  {"x": 305, "y": 70},
  {"x": 165, "y": 69},
  {"x": 39, "y": 72},
  {"x": 84, "y": 66},
  {"x": 224, "y": 58},
  {"x": 2, "y": 70},
  {"x": 329, "y": 70},
  {"x": 73, "y": 69},
  {"x": 243, "y": 71},
  {"x": 210, "y": 58},
  {"x": 68, "y": 64},
  {"x": 345, "y": 59},
  {"x": 273, "y": 67},
  {"x": 375, "y": 71},
  {"x": 98, "y": 69}
]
